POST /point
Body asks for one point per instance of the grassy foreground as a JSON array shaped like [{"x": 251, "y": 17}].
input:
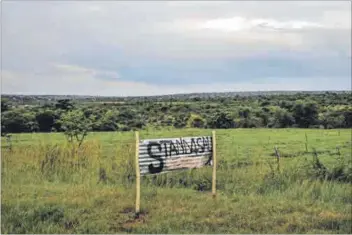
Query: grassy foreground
[{"x": 49, "y": 186}]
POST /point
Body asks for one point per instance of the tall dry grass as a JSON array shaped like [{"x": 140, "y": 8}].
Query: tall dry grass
[{"x": 64, "y": 162}]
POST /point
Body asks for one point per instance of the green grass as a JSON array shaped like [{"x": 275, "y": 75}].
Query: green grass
[{"x": 49, "y": 187}]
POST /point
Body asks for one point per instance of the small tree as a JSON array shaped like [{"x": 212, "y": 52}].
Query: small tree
[
  {"x": 5, "y": 106},
  {"x": 75, "y": 125},
  {"x": 64, "y": 104},
  {"x": 221, "y": 120},
  {"x": 181, "y": 120},
  {"x": 196, "y": 121},
  {"x": 108, "y": 121},
  {"x": 332, "y": 120},
  {"x": 45, "y": 120},
  {"x": 305, "y": 113},
  {"x": 281, "y": 118},
  {"x": 18, "y": 120}
]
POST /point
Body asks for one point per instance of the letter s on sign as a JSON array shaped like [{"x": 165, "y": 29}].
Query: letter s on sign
[{"x": 151, "y": 168}]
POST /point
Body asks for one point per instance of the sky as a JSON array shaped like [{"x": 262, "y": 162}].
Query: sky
[{"x": 141, "y": 48}]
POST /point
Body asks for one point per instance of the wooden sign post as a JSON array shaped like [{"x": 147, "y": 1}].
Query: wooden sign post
[
  {"x": 214, "y": 166},
  {"x": 157, "y": 156},
  {"x": 138, "y": 177}
]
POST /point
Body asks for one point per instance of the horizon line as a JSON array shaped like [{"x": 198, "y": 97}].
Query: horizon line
[{"x": 175, "y": 94}]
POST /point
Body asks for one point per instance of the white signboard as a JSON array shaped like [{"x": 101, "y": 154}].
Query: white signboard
[{"x": 164, "y": 155}]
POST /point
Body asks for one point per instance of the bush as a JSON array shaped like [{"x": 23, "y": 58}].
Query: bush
[
  {"x": 221, "y": 121},
  {"x": 17, "y": 121},
  {"x": 75, "y": 125},
  {"x": 196, "y": 121}
]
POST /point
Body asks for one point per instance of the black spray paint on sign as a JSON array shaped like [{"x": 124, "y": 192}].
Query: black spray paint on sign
[{"x": 170, "y": 148}]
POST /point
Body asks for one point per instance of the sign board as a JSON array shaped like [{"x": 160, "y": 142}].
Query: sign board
[
  {"x": 156, "y": 156},
  {"x": 165, "y": 155}
]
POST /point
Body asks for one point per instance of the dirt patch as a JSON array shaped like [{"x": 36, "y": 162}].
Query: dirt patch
[
  {"x": 130, "y": 211},
  {"x": 134, "y": 222}
]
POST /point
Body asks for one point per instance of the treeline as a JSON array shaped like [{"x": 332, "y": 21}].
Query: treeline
[{"x": 327, "y": 110}]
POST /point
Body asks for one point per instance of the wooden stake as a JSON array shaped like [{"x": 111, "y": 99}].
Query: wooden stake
[
  {"x": 214, "y": 166},
  {"x": 138, "y": 176}
]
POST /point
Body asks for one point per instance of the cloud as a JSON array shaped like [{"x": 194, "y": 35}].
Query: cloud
[
  {"x": 241, "y": 24},
  {"x": 173, "y": 45},
  {"x": 68, "y": 80},
  {"x": 72, "y": 70}
]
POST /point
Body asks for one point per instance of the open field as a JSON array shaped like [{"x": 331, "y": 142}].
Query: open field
[{"x": 49, "y": 186}]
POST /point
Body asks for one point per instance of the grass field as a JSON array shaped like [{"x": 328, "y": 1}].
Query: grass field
[{"x": 49, "y": 186}]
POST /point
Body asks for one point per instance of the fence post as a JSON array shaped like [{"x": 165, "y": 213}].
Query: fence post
[
  {"x": 138, "y": 176},
  {"x": 214, "y": 165}
]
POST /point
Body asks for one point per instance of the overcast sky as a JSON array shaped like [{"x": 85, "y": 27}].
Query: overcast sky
[{"x": 146, "y": 48}]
